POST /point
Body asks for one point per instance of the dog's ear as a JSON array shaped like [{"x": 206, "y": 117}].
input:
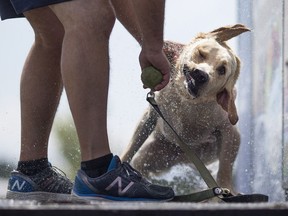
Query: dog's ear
[
  {"x": 226, "y": 33},
  {"x": 172, "y": 51},
  {"x": 227, "y": 101},
  {"x": 226, "y": 98}
]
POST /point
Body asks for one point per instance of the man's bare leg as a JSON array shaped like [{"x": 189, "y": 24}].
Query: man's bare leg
[
  {"x": 41, "y": 87},
  {"x": 85, "y": 70},
  {"x": 41, "y": 84}
]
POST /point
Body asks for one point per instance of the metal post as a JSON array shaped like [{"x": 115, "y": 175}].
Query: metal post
[{"x": 285, "y": 103}]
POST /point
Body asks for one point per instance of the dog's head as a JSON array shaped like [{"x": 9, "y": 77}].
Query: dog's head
[{"x": 207, "y": 68}]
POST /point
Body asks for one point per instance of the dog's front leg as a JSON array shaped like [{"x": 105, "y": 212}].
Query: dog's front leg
[
  {"x": 157, "y": 156},
  {"x": 142, "y": 132},
  {"x": 229, "y": 149}
]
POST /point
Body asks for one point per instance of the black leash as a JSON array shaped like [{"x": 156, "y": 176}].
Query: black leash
[{"x": 214, "y": 190}]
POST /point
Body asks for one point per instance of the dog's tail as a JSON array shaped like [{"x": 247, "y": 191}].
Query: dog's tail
[{"x": 142, "y": 132}]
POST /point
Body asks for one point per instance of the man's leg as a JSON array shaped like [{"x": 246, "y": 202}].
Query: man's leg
[
  {"x": 41, "y": 87},
  {"x": 41, "y": 83},
  {"x": 85, "y": 70}
]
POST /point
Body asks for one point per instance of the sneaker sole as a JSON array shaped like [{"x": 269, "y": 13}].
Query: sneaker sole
[
  {"x": 39, "y": 196},
  {"x": 100, "y": 197}
]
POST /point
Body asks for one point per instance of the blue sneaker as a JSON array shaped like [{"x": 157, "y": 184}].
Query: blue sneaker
[
  {"x": 48, "y": 185},
  {"x": 120, "y": 183}
]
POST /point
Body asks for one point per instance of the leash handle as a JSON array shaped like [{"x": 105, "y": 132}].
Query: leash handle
[{"x": 191, "y": 155}]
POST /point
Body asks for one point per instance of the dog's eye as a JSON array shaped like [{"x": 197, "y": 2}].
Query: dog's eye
[
  {"x": 201, "y": 55},
  {"x": 221, "y": 70}
]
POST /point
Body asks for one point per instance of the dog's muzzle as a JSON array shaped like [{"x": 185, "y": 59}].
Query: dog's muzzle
[{"x": 195, "y": 79}]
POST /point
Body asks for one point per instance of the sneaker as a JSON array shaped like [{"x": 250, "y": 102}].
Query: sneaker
[
  {"x": 120, "y": 183},
  {"x": 49, "y": 185}
]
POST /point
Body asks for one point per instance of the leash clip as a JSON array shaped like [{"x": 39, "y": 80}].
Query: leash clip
[
  {"x": 151, "y": 98},
  {"x": 151, "y": 94},
  {"x": 221, "y": 191},
  {"x": 226, "y": 191}
]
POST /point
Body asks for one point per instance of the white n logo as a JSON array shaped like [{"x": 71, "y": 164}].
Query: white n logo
[
  {"x": 118, "y": 181},
  {"x": 18, "y": 185}
]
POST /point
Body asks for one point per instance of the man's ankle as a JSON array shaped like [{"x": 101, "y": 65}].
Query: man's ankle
[
  {"x": 32, "y": 167},
  {"x": 96, "y": 167}
]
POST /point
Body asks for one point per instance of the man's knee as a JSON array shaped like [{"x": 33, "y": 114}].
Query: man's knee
[
  {"x": 48, "y": 29},
  {"x": 85, "y": 17}
]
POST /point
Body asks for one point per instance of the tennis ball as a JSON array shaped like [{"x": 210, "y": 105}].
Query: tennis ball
[{"x": 151, "y": 77}]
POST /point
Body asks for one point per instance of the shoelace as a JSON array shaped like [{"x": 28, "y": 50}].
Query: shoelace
[
  {"x": 131, "y": 172},
  {"x": 59, "y": 172},
  {"x": 56, "y": 181}
]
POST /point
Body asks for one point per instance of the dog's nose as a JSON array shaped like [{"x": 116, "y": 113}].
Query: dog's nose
[
  {"x": 199, "y": 76},
  {"x": 195, "y": 79}
]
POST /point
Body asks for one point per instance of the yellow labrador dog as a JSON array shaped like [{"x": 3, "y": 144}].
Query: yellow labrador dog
[{"x": 200, "y": 104}]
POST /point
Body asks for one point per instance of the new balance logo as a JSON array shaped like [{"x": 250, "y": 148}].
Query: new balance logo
[
  {"x": 18, "y": 185},
  {"x": 118, "y": 181}
]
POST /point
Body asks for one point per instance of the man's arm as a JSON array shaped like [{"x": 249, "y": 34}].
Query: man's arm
[
  {"x": 125, "y": 13},
  {"x": 150, "y": 15}
]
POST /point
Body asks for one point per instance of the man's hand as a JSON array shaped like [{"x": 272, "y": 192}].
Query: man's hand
[
  {"x": 150, "y": 15},
  {"x": 158, "y": 60}
]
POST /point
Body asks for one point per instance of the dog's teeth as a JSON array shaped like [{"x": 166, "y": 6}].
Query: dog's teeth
[
  {"x": 193, "y": 81},
  {"x": 185, "y": 84}
]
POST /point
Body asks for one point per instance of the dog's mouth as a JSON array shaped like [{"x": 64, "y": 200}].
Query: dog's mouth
[{"x": 195, "y": 79}]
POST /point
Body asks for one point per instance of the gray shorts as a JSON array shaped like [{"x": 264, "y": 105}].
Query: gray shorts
[{"x": 15, "y": 8}]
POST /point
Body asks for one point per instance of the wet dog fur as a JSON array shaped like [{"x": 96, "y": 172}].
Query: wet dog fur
[{"x": 199, "y": 102}]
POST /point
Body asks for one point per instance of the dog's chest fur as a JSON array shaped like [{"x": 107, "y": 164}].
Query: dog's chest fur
[{"x": 196, "y": 123}]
